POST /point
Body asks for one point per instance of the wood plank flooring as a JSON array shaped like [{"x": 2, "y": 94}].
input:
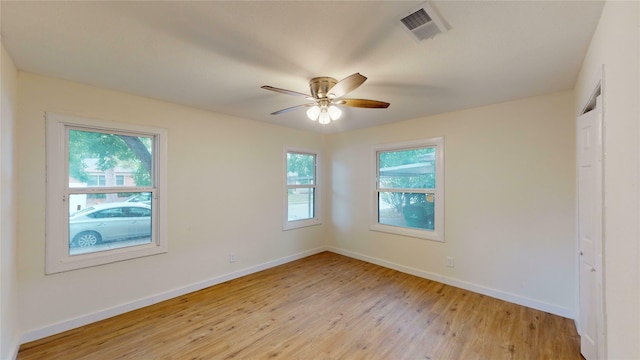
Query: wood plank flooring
[{"x": 326, "y": 306}]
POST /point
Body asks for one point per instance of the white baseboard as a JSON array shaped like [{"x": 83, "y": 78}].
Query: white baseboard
[
  {"x": 134, "y": 305},
  {"x": 123, "y": 308},
  {"x": 498, "y": 294},
  {"x": 14, "y": 353}
]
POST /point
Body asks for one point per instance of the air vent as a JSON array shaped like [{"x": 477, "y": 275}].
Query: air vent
[
  {"x": 424, "y": 23},
  {"x": 416, "y": 19}
]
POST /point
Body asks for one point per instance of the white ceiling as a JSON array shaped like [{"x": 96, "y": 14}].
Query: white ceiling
[{"x": 215, "y": 55}]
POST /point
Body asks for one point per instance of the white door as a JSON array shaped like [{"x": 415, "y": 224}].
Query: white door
[{"x": 589, "y": 153}]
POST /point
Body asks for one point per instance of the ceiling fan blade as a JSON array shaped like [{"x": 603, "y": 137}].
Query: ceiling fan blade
[
  {"x": 291, "y": 109},
  {"x": 363, "y": 103},
  {"x": 346, "y": 85},
  {"x": 287, "y": 92}
]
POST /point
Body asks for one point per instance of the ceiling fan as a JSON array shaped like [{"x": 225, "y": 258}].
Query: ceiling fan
[{"x": 326, "y": 93}]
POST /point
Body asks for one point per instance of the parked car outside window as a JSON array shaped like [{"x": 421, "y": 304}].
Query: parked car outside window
[
  {"x": 109, "y": 222},
  {"x": 144, "y": 198}
]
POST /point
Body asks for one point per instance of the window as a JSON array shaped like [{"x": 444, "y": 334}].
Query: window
[
  {"x": 120, "y": 180},
  {"x": 408, "y": 189},
  {"x": 301, "y": 188},
  {"x": 96, "y": 180},
  {"x": 95, "y": 216}
]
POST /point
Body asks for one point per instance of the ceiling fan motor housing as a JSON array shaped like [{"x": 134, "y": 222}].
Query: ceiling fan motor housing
[{"x": 320, "y": 86}]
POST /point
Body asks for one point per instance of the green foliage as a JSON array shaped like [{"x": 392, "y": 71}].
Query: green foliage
[
  {"x": 403, "y": 157},
  {"x": 301, "y": 164},
  {"x": 110, "y": 150},
  {"x": 389, "y": 159},
  {"x": 142, "y": 177},
  {"x": 406, "y": 180}
]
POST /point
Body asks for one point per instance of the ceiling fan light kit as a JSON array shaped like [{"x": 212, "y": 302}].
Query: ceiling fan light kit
[
  {"x": 334, "y": 112},
  {"x": 313, "y": 112},
  {"x": 324, "y": 118},
  {"x": 324, "y": 114},
  {"x": 326, "y": 94}
]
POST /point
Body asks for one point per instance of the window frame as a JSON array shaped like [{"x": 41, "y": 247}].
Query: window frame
[
  {"x": 438, "y": 233},
  {"x": 317, "y": 218},
  {"x": 57, "y": 258}
]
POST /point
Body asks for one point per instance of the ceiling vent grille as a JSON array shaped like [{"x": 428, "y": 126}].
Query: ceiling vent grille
[{"x": 424, "y": 23}]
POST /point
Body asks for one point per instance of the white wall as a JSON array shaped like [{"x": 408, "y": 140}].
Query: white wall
[
  {"x": 8, "y": 267},
  {"x": 510, "y": 201},
  {"x": 225, "y": 195},
  {"x": 615, "y": 45}
]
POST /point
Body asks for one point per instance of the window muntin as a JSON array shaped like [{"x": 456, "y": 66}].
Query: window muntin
[
  {"x": 94, "y": 170},
  {"x": 301, "y": 201},
  {"x": 408, "y": 189}
]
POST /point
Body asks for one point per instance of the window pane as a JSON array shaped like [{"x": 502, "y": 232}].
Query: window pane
[
  {"x": 108, "y": 221},
  {"x": 300, "y": 169},
  {"x": 96, "y": 180},
  {"x": 408, "y": 169},
  {"x": 96, "y": 157},
  {"x": 414, "y": 210},
  {"x": 301, "y": 204}
]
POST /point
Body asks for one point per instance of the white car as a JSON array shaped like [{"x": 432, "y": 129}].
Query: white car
[
  {"x": 109, "y": 222},
  {"x": 144, "y": 198}
]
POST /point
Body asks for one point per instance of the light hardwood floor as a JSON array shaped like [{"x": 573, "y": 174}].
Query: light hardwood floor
[{"x": 326, "y": 306}]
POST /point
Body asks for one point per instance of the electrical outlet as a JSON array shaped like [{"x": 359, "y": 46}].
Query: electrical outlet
[
  {"x": 232, "y": 258},
  {"x": 449, "y": 261}
]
